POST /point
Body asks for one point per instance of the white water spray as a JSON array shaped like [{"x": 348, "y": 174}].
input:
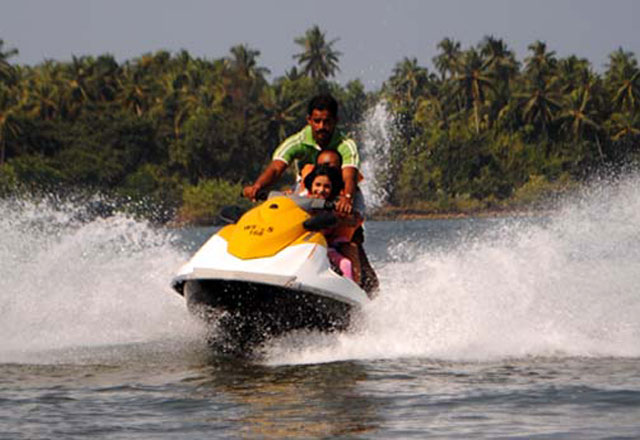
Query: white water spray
[
  {"x": 66, "y": 283},
  {"x": 374, "y": 149},
  {"x": 566, "y": 285}
]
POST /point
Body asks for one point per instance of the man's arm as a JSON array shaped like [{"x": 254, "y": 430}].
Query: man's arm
[
  {"x": 269, "y": 176},
  {"x": 345, "y": 202},
  {"x": 352, "y": 219}
]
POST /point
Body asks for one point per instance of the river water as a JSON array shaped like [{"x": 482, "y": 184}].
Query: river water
[{"x": 523, "y": 327}]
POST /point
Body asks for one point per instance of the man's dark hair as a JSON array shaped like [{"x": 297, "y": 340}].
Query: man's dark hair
[
  {"x": 324, "y": 152},
  {"x": 323, "y": 102}
]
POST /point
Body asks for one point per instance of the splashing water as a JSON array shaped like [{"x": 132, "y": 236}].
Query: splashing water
[
  {"x": 69, "y": 283},
  {"x": 376, "y": 138},
  {"x": 564, "y": 285}
]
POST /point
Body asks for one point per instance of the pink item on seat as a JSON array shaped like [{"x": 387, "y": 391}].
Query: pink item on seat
[{"x": 342, "y": 262}]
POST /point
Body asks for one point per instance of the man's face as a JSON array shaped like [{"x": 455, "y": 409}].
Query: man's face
[{"x": 322, "y": 126}]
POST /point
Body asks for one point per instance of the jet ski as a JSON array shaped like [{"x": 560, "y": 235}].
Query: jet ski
[{"x": 268, "y": 273}]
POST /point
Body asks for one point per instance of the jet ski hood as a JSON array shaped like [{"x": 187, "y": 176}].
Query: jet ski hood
[{"x": 270, "y": 245}]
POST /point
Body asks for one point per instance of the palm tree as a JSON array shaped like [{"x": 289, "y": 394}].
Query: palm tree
[
  {"x": 6, "y": 70},
  {"x": 408, "y": 84},
  {"x": 244, "y": 77},
  {"x": 177, "y": 103},
  {"x": 8, "y": 103},
  {"x": 81, "y": 71},
  {"x": 539, "y": 103},
  {"x": 243, "y": 62},
  {"x": 46, "y": 90},
  {"x": 472, "y": 81},
  {"x": 106, "y": 75},
  {"x": 409, "y": 81},
  {"x": 625, "y": 124},
  {"x": 278, "y": 114},
  {"x": 9, "y": 108},
  {"x": 78, "y": 85},
  {"x": 447, "y": 62},
  {"x": 541, "y": 64},
  {"x": 293, "y": 74},
  {"x": 503, "y": 66},
  {"x": 573, "y": 73},
  {"x": 499, "y": 57},
  {"x": 318, "y": 59},
  {"x": 578, "y": 113},
  {"x": 623, "y": 76},
  {"x": 135, "y": 90},
  {"x": 540, "y": 99}
]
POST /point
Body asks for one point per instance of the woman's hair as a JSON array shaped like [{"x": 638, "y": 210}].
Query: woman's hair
[{"x": 334, "y": 175}]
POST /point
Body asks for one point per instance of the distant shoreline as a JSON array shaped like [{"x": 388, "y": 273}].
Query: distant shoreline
[
  {"x": 402, "y": 214},
  {"x": 399, "y": 214}
]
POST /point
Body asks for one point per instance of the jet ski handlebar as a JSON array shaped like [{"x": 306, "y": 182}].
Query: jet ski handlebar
[
  {"x": 325, "y": 219},
  {"x": 307, "y": 203}
]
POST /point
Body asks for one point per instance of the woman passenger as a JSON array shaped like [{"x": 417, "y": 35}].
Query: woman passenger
[{"x": 325, "y": 182}]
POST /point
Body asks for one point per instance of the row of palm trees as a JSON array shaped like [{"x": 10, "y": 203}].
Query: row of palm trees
[
  {"x": 560, "y": 109},
  {"x": 488, "y": 81},
  {"x": 220, "y": 118},
  {"x": 166, "y": 87},
  {"x": 159, "y": 123}
]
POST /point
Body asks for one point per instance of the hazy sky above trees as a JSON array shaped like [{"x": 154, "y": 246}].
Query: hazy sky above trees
[{"x": 373, "y": 34}]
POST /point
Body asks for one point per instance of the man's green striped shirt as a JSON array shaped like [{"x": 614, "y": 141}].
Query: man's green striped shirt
[{"x": 303, "y": 149}]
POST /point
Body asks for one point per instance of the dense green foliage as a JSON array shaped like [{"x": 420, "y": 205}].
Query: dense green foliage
[
  {"x": 487, "y": 128},
  {"x": 484, "y": 130}
]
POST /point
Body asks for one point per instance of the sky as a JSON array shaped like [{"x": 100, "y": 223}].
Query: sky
[{"x": 373, "y": 35}]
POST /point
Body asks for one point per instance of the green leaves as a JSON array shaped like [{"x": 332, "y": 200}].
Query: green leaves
[
  {"x": 318, "y": 59},
  {"x": 202, "y": 202},
  {"x": 162, "y": 125}
]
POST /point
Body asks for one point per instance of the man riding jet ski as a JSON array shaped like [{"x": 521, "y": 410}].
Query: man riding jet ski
[
  {"x": 304, "y": 148},
  {"x": 270, "y": 273}
]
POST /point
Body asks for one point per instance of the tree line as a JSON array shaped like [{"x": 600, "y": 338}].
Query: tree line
[
  {"x": 487, "y": 130},
  {"x": 483, "y": 130}
]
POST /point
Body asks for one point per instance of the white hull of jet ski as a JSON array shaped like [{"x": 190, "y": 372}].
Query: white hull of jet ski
[{"x": 261, "y": 297}]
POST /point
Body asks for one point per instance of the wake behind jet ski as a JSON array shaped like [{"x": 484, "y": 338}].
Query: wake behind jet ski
[{"x": 269, "y": 273}]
